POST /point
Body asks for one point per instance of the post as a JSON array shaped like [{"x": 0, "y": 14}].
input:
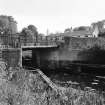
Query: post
[
  {"x": 36, "y": 58},
  {"x": 20, "y": 58},
  {"x": 79, "y": 69}
]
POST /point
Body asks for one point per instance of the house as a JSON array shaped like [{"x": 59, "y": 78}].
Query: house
[{"x": 78, "y": 34}]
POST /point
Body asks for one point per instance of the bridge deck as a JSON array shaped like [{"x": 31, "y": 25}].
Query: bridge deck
[{"x": 40, "y": 46}]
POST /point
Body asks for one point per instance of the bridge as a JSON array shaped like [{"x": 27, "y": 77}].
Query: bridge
[
  {"x": 37, "y": 45},
  {"x": 12, "y": 47},
  {"x": 15, "y": 42}
]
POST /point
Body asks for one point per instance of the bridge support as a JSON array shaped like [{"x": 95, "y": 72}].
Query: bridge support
[
  {"x": 20, "y": 58},
  {"x": 36, "y": 58},
  {"x": 12, "y": 57},
  {"x": 79, "y": 69}
]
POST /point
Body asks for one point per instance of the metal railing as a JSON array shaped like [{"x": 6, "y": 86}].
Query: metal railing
[
  {"x": 8, "y": 41},
  {"x": 13, "y": 41}
]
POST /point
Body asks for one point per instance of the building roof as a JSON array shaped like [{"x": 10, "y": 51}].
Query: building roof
[
  {"x": 78, "y": 33},
  {"x": 73, "y": 33}
]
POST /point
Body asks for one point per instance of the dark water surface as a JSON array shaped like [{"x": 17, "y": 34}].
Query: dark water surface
[
  {"x": 90, "y": 79},
  {"x": 83, "y": 80}
]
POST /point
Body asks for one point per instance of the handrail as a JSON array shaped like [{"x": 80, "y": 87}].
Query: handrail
[{"x": 10, "y": 41}]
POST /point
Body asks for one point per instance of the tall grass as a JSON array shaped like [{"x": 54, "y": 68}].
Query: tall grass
[{"x": 18, "y": 87}]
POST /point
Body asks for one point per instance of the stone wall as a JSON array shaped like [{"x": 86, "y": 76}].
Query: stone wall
[
  {"x": 83, "y": 43},
  {"x": 12, "y": 57}
]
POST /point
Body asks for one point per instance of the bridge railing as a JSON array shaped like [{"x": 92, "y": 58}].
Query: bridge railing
[
  {"x": 46, "y": 43},
  {"x": 13, "y": 41},
  {"x": 9, "y": 41},
  {"x": 39, "y": 44}
]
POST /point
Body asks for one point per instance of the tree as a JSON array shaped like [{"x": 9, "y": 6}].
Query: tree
[
  {"x": 3, "y": 27},
  {"x": 34, "y": 32},
  {"x": 99, "y": 25},
  {"x": 81, "y": 28},
  {"x": 33, "y": 29},
  {"x": 7, "y": 25},
  {"x": 27, "y": 36},
  {"x": 67, "y": 30}
]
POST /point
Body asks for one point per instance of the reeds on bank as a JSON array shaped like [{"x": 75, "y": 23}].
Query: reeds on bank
[{"x": 21, "y": 87}]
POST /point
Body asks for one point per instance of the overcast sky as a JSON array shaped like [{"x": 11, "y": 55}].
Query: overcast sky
[{"x": 55, "y": 15}]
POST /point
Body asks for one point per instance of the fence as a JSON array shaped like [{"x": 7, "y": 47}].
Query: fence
[
  {"x": 14, "y": 41},
  {"x": 9, "y": 41}
]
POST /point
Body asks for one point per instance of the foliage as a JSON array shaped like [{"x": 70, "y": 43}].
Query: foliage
[
  {"x": 7, "y": 25},
  {"x": 82, "y": 28},
  {"x": 33, "y": 29},
  {"x": 29, "y": 34},
  {"x": 102, "y": 34},
  {"x": 99, "y": 24},
  {"x": 20, "y": 87},
  {"x": 68, "y": 30}
]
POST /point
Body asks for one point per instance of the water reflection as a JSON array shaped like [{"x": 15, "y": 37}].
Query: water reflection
[
  {"x": 83, "y": 80},
  {"x": 76, "y": 79}
]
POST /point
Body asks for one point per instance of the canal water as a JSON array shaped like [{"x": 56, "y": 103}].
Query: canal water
[
  {"x": 83, "y": 80},
  {"x": 90, "y": 79},
  {"x": 94, "y": 81}
]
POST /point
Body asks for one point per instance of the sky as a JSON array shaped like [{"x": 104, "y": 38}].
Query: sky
[{"x": 54, "y": 15}]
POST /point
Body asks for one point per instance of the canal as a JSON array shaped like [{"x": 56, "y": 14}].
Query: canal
[
  {"x": 92, "y": 78},
  {"x": 81, "y": 80}
]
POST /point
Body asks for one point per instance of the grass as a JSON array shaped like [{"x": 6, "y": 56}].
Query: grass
[{"x": 18, "y": 87}]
